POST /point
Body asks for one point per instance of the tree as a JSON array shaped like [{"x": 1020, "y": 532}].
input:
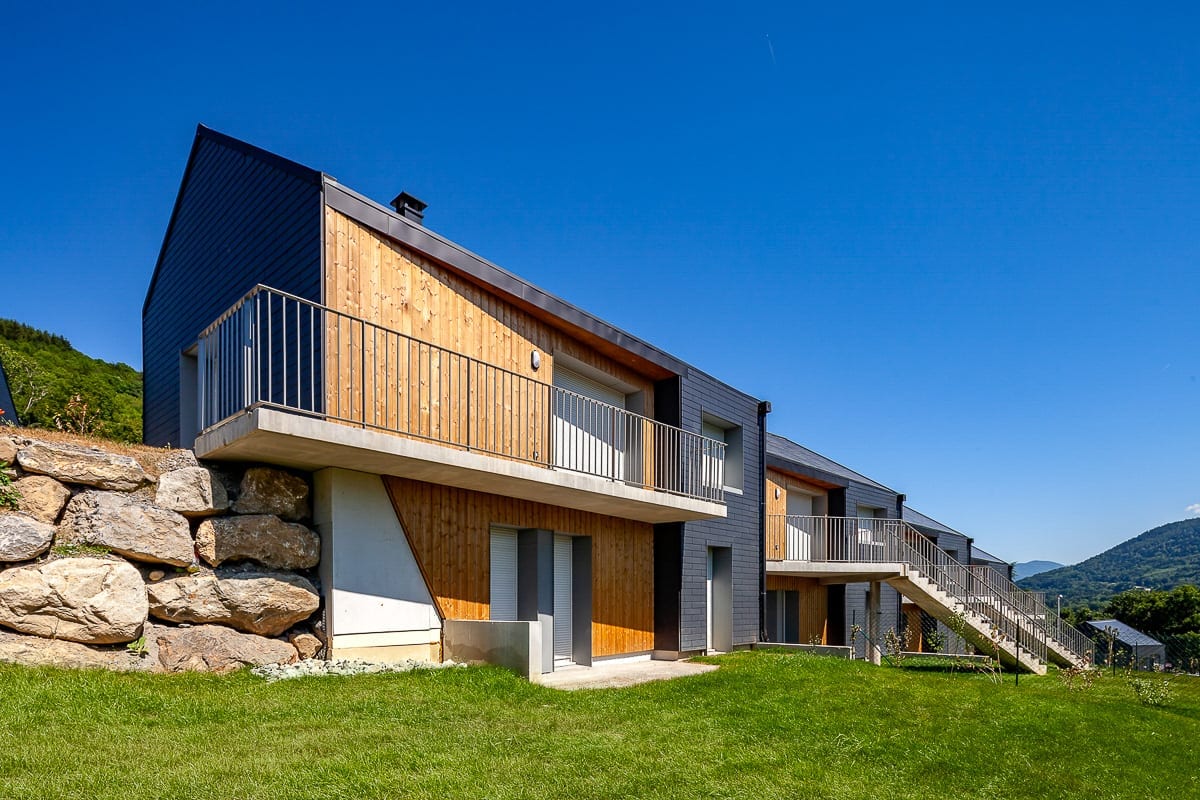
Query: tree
[
  {"x": 1169, "y": 613},
  {"x": 25, "y": 380}
]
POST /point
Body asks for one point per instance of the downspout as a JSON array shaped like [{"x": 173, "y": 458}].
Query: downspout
[{"x": 764, "y": 408}]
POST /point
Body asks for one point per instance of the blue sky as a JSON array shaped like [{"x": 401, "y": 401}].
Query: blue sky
[{"x": 956, "y": 249}]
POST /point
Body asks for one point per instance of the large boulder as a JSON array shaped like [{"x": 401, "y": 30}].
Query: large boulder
[
  {"x": 128, "y": 526},
  {"x": 23, "y": 538},
  {"x": 259, "y": 537},
  {"x": 89, "y": 600},
  {"x": 8, "y": 450},
  {"x": 266, "y": 490},
  {"x": 213, "y": 648},
  {"x": 191, "y": 491},
  {"x": 34, "y": 651},
  {"x": 42, "y": 497},
  {"x": 162, "y": 461},
  {"x": 86, "y": 465},
  {"x": 266, "y": 603}
]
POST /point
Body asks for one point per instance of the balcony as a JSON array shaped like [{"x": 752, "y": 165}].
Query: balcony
[
  {"x": 285, "y": 380},
  {"x": 852, "y": 549}
]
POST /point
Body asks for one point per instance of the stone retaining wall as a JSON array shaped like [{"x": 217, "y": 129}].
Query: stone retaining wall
[{"x": 154, "y": 562}]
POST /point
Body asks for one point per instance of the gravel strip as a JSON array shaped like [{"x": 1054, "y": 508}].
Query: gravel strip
[{"x": 348, "y": 666}]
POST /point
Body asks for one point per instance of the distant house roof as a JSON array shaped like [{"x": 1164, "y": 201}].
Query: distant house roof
[
  {"x": 786, "y": 454},
  {"x": 1125, "y": 634},
  {"x": 6, "y": 401}
]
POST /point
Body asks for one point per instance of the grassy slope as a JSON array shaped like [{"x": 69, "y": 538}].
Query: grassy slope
[
  {"x": 1161, "y": 558},
  {"x": 765, "y": 725},
  {"x": 114, "y": 391}
]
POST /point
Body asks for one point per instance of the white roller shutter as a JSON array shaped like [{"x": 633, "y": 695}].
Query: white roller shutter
[
  {"x": 585, "y": 436},
  {"x": 562, "y": 599},
  {"x": 581, "y": 384}
]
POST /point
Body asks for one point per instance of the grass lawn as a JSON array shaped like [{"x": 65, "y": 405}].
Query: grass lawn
[{"x": 765, "y": 725}]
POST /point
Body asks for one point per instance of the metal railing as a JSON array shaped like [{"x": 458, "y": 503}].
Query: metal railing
[
  {"x": 873, "y": 540},
  {"x": 1061, "y": 632},
  {"x": 273, "y": 349}
]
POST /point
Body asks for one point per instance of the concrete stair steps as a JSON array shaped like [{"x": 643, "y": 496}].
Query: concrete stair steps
[{"x": 978, "y": 630}]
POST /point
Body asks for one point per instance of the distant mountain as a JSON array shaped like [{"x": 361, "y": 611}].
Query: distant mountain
[
  {"x": 1027, "y": 569},
  {"x": 1161, "y": 558},
  {"x": 56, "y": 386}
]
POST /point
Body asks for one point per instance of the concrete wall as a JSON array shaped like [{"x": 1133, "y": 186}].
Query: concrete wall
[
  {"x": 516, "y": 645},
  {"x": 377, "y": 605}
]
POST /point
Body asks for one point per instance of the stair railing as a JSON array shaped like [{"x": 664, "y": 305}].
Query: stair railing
[
  {"x": 1057, "y": 629},
  {"x": 872, "y": 540}
]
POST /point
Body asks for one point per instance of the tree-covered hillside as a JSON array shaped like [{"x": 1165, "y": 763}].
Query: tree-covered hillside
[
  {"x": 1161, "y": 558},
  {"x": 56, "y": 386}
]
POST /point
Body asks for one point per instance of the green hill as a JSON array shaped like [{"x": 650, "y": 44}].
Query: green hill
[
  {"x": 1161, "y": 558},
  {"x": 56, "y": 386}
]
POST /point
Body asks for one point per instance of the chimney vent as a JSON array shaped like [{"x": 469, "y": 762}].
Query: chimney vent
[{"x": 408, "y": 206}]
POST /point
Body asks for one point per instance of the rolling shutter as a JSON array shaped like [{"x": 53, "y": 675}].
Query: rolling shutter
[{"x": 504, "y": 574}]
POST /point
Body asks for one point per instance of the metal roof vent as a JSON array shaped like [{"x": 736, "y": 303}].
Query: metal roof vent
[{"x": 408, "y": 206}]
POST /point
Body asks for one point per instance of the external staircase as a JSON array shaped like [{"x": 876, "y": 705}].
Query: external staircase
[{"x": 983, "y": 606}]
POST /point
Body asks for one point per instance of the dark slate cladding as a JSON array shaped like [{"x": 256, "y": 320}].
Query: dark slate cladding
[
  {"x": 702, "y": 394},
  {"x": 243, "y": 217},
  {"x": 6, "y": 402}
]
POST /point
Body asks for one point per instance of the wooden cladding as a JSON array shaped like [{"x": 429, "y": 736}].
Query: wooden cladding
[
  {"x": 914, "y": 628},
  {"x": 449, "y": 531},
  {"x": 776, "y": 533},
  {"x": 373, "y": 278},
  {"x": 814, "y": 605},
  {"x": 440, "y": 358},
  {"x": 775, "y": 546}
]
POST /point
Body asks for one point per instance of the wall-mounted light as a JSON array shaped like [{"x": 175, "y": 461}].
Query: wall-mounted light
[
  {"x": 776, "y": 492},
  {"x": 535, "y": 360}
]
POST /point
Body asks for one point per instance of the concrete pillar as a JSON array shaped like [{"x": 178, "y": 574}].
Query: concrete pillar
[
  {"x": 535, "y": 586},
  {"x": 873, "y": 634}
]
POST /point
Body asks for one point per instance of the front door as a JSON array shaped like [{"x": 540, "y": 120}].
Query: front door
[{"x": 720, "y": 599}]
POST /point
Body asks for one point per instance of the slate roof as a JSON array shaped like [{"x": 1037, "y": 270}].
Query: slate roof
[
  {"x": 1125, "y": 634},
  {"x": 979, "y": 554},
  {"x": 398, "y": 227},
  {"x": 914, "y": 517},
  {"x": 785, "y": 451}
]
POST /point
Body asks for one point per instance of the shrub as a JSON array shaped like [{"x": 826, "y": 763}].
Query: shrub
[
  {"x": 1154, "y": 691},
  {"x": 10, "y": 498}
]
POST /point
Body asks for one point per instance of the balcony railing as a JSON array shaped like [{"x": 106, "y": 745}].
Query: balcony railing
[
  {"x": 891, "y": 541},
  {"x": 276, "y": 350}
]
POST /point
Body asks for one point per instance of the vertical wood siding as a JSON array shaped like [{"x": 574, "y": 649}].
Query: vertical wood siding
[
  {"x": 814, "y": 605},
  {"x": 776, "y": 533},
  {"x": 372, "y": 277},
  {"x": 449, "y": 530}
]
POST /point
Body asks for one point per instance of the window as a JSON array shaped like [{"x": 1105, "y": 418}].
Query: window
[{"x": 716, "y": 428}]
